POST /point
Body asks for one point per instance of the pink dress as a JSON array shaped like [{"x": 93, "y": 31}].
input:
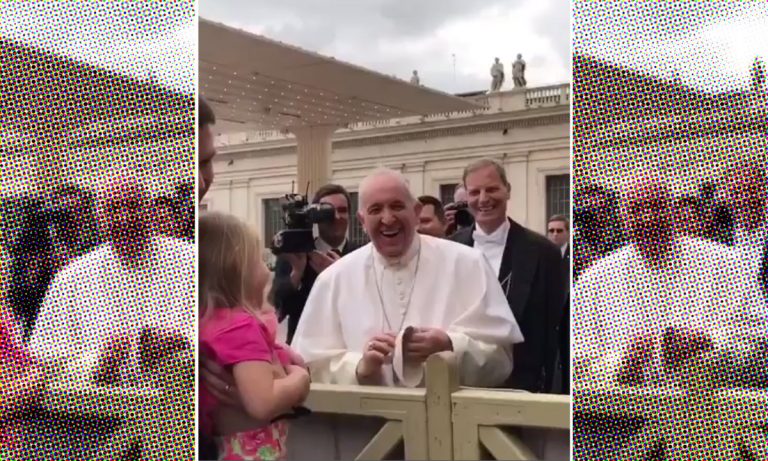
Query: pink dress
[
  {"x": 229, "y": 337},
  {"x": 13, "y": 356}
]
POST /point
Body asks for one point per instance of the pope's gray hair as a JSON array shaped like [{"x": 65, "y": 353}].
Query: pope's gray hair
[{"x": 388, "y": 173}]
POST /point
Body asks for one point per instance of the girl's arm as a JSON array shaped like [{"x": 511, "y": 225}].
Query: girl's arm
[{"x": 264, "y": 398}]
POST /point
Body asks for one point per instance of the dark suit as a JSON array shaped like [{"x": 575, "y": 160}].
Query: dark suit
[
  {"x": 533, "y": 279},
  {"x": 565, "y": 328},
  {"x": 289, "y": 301}
]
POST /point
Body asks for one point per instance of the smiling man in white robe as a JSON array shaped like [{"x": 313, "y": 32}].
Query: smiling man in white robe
[
  {"x": 111, "y": 315},
  {"x": 641, "y": 311},
  {"x": 351, "y": 330}
]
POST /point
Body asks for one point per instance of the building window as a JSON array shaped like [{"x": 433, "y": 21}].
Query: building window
[
  {"x": 357, "y": 236},
  {"x": 446, "y": 193},
  {"x": 273, "y": 219},
  {"x": 559, "y": 195}
]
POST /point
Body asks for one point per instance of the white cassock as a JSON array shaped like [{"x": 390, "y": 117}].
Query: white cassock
[
  {"x": 97, "y": 297},
  {"x": 438, "y": 284},
  {"x": 706, "y": 287}
]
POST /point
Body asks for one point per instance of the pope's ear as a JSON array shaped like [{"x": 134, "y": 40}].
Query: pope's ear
[{"x": 360, "y": 217}]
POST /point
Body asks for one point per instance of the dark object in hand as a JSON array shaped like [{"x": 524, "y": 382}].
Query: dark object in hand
[
  {"x": 681, "y": 344},
  {"x": 156, "y": 345},
  {"x": 463, "y": 217}
]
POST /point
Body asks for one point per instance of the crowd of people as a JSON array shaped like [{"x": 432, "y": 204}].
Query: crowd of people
[
  {"x": 683, "y": 283},
  {"x": 98, "y": 290},
  {"x": 491, "y": 291}
]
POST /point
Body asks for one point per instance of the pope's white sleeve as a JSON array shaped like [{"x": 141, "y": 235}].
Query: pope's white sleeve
[
  {"x": 485, "y": 330},
  {"x": 319, "y": 339},
  {"x": 57, "y": 334}
]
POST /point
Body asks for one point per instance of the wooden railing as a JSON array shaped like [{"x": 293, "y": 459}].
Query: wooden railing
[
  {"x": 693, "y": 420},
  {"x": 442, "y": 421},
  {"x": 161, "y": 418}
]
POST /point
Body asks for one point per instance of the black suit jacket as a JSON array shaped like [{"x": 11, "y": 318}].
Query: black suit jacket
[
  {"x": 533, "y": 279},
  {"x": 289, "y": 301}
]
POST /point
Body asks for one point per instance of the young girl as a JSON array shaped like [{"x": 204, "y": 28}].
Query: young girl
[{"x": 234, "y": 335}]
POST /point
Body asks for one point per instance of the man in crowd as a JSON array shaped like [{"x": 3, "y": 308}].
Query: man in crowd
[
  {"x": 295, "y": 274},
  {"x": 530, "y": 270},
  {"x": 664, "y": 298},
  {"x": 748, "y": 197},
  {"x": 218, "y": 380},
  {"x": 355, "y": 318},
  {"x": 205, "y": 146},
  {"x": 559, "y": 233},
  {"x": 432, "y": 217},
  {"x": 452, "y": 209},
  {"x": 114, "y": 313}
]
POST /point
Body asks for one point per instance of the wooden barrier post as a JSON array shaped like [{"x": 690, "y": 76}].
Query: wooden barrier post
[{"x": 442, "y": 380}]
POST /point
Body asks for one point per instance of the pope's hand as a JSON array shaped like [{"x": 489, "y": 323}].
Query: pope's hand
[
  {"x": 111, "y": 358},
  {"x": 220, "y": 383},
  {"x": 637, "y": 357},
  {"x": 680, "y": 344},
  {"x": 425, "y": 342},
  {"x": 157, "y": 344},
  {"x": 378, "y": 351}
]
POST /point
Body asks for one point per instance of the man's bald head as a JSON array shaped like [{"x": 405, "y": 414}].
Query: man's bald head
[
  {"x": 648, "y": 211},
  {"x": 124, "y": 212},
  {"x": 385, "y": 177},
  {"x": 389, "y": 212}
]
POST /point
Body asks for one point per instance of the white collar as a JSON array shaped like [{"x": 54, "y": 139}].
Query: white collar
[
  {"x": 323, "y": 246},
  {"x": 499, "y": 236},
  {"x": 401, "y": 261}
]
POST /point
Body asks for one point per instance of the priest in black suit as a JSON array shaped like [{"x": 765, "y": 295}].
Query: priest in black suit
[
  {"x": 295, "y": 274},
  {"x": 530, "y": 269}
]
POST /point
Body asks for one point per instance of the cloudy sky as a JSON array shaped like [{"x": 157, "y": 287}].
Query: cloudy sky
[
  {"x": 397, "y": 36},
  {"x": 136, "y": 38},
  {"x": 709, "y": 45}
]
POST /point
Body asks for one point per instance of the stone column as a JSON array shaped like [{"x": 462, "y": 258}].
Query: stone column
[{"x": 314, "y": 150}]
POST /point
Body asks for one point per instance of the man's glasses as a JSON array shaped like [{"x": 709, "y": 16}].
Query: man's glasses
[{"x": 555, "y": 231}]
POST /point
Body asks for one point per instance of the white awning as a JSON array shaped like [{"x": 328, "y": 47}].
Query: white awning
[{"x": 255, "y": 83}]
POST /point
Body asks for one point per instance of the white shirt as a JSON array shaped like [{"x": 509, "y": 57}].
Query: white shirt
[
  {"x": 492, "y": 245},
  {"x": 97, "y": 296},
  {"x": 562, "y": 250},
  {"x": 323, "y": 247},
  {"x": 454, "y": 289},
  {"x": 704, "y": 287}
]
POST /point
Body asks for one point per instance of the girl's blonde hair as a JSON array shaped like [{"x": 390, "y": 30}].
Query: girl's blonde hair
[{"x": 230, "y": 261}]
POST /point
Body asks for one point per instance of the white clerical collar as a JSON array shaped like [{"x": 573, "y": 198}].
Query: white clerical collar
[
  {"x": 324, "y": 247},
  {"x": 499, "y": 236},
  {"x": 400, "y": 261}
]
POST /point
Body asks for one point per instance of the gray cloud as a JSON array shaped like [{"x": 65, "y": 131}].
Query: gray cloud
[{"x": 380, "y": 34}]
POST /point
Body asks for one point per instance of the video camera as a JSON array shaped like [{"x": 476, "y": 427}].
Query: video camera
[
  {"x": 299, "y": 218},
  {"x": 463, "y": 217}
]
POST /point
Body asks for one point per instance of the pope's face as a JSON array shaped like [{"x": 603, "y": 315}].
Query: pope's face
[
  {"x": 389, "y": 216},
  {"x": 649, "y": 214},
  {"x": 124, "y": 214}
]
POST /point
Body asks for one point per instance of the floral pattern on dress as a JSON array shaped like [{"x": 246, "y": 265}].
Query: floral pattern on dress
[{"x": 263, "y": 444}]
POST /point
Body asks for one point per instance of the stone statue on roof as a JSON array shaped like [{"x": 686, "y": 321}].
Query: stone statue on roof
[
  {"x": 758, "y": 75},
  {"x": 497, "y": 75},
  {"x": 518, "y": 72},
  {"x": 415, "y": 80}
]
